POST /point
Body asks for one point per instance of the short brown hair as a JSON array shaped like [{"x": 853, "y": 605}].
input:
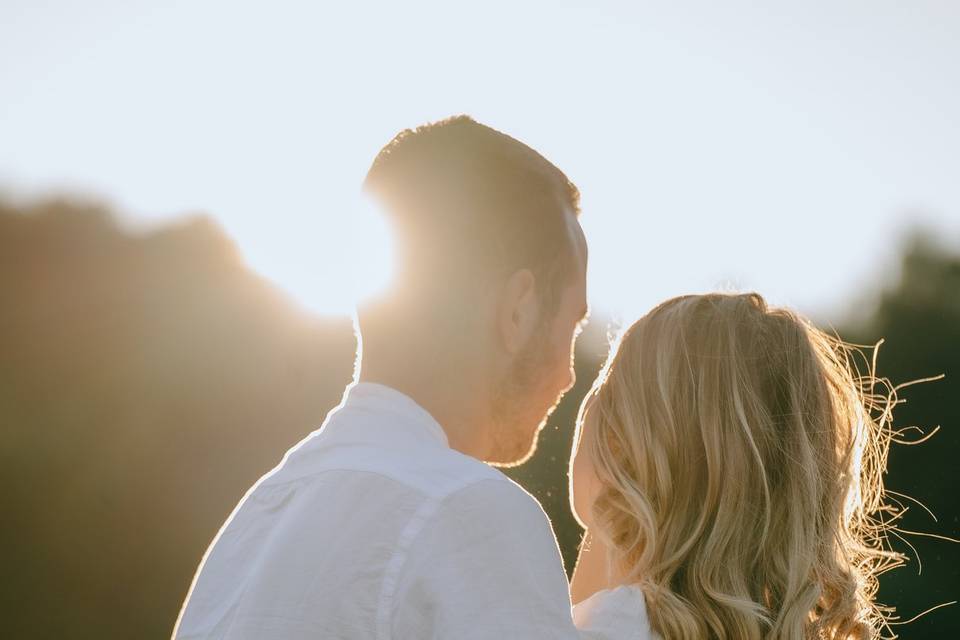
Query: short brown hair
[{"x": 469, "y": 203}]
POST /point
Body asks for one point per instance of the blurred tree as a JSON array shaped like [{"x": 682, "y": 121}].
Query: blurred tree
[
  {"x": 147, "y": 380},
  {"x": 919, "y": 320}
]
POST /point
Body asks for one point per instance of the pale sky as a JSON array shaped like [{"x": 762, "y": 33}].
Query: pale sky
[{"x": 779, "y": 147}]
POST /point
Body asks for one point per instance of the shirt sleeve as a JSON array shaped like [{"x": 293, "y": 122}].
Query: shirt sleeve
[{"x": 484, "y": 565}]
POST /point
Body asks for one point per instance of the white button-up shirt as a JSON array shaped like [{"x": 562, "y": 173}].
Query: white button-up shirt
[{"x": 373, "y": 527}]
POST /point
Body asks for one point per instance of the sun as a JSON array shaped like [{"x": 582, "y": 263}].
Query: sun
[{"x": 328, "y": 261}]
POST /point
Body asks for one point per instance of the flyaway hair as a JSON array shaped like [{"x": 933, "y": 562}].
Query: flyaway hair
[{"x": 742, "y": 454}]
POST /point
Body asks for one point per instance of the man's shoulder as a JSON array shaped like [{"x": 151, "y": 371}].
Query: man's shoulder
[
  {"x": 495, "y": 496},
  {"x": 434, "y": 471}
]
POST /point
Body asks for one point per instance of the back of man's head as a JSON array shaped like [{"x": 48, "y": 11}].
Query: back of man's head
[{"x": 468, "y": 206}]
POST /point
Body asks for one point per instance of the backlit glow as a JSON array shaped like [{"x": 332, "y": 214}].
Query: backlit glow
[{"x": 327, "y": 260}]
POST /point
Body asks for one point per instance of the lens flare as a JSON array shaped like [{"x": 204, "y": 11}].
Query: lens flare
[{"x": 327, "y": 262}]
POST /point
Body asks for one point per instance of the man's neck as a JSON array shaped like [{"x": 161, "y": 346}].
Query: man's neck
[{"x": 449, "y": 397}]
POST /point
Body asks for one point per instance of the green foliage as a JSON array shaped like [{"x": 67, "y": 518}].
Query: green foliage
[
  {"x": 146, "y": 381},
  {"x": 919, "y": 320}
]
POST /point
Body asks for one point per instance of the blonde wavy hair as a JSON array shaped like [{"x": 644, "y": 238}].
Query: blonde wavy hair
[{"x": 741, "y": 458}]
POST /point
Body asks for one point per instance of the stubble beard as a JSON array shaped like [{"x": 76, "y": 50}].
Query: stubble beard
[{"x": 516, "y": 423}]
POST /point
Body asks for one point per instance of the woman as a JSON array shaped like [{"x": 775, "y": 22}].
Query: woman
[{"x": 728, "y": 471}]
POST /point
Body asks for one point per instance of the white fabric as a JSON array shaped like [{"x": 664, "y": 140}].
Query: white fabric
[
  {"x": 373, "y": 527},
  {"x": 614, "y": 614}
]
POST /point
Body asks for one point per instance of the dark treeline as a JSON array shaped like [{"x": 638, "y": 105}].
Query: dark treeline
[{"x": 146, "y": 380}]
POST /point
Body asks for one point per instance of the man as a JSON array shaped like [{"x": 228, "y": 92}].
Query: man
[{"x": 385, "y": 523}]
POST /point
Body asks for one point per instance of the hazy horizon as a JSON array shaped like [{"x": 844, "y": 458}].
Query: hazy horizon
[{"x": 715, "y": 147}]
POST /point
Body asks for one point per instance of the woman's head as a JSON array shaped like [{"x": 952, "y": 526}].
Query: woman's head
[{"x": 727, "y": 456}]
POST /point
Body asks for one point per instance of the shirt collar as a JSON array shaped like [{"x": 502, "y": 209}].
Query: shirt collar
[{"x": 380, "y": 397}]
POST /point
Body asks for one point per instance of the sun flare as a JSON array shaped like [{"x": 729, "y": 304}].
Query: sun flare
[{"x": 327, "y": 262}]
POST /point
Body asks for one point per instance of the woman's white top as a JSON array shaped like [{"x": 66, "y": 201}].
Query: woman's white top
[{"x": 614, "y": 614}]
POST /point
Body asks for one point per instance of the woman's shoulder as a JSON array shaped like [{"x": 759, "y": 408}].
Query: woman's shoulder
[{"x": 619, "y": 613}]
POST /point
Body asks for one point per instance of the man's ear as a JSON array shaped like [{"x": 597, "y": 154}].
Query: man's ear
[{"x": 518, "y": 313}]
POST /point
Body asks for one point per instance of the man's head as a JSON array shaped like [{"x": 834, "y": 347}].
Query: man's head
[{"x": 491, "y": 266}]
